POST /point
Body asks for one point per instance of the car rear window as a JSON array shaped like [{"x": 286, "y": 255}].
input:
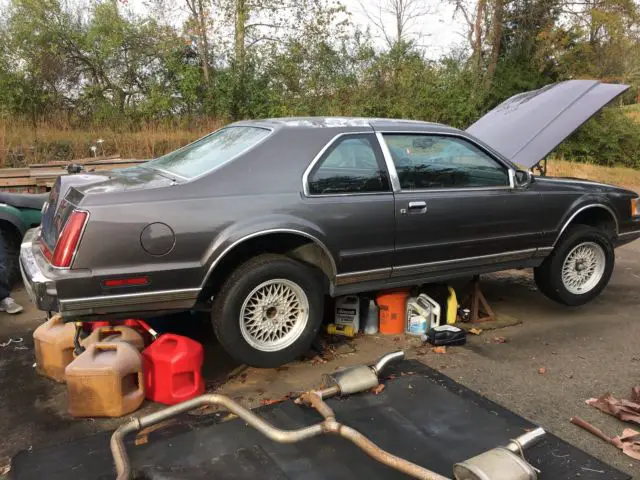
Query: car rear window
[{"x": 209, "y": 152}]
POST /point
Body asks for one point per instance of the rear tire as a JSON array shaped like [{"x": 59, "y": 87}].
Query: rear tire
[
  {"x": 579, "y": 267},
  {"x": 269, "y": 310}
]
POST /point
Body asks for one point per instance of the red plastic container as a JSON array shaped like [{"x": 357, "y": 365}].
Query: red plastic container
[{"x": 172, "y": 369}]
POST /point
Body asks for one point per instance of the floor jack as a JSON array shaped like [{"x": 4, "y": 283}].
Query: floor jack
[{"x": 501, "y": 463}]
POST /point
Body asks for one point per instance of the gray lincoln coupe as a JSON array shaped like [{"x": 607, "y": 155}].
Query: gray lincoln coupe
[{"x": 261, "y": 219}]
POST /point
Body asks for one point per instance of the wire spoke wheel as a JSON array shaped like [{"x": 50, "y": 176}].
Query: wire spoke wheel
[
  {"x": 274, "y": 315},
  {"x": 583, "y": 268}
]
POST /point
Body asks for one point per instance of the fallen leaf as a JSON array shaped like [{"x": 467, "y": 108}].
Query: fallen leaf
[
  {"x": 317, "y": 360},
  {"x": 439, "y": 349},
  {"x": 378, "y": 389},
  {"x": 271, "y": 401},
  {"x": 499, "y": 340},
  {"x": 475, "y": 331},
  {"x": 542, "y": 370}
]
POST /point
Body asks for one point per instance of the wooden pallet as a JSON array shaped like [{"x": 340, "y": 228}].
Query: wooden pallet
[{"x": 41, "y": 177}]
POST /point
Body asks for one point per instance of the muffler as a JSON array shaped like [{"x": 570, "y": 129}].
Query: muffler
[{"x": 502, "y": 463}]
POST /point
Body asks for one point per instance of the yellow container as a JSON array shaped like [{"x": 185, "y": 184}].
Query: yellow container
[
  {"x": 105, "y": 381},
  {"x": 53, "y": 341}
]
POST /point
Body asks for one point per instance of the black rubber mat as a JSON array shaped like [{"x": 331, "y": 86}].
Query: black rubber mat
[{"x": 421, "y": 415}]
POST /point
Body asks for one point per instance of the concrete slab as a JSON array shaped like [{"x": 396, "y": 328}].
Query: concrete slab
[{"x": 585, "y": 352}]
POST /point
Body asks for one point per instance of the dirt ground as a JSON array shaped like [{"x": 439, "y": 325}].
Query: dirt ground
[{"x": 585, "y": 351}]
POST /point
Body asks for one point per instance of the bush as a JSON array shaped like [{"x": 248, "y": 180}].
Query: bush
[{"x": 612, "y": 137}]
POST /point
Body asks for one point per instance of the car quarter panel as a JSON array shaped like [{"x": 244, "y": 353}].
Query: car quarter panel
[{"x": 256, "y": 193}]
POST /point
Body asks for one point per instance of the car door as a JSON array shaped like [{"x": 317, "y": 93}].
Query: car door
[
  {"x": 456, "y": 207},
  {"x": 348, "y": 192}
]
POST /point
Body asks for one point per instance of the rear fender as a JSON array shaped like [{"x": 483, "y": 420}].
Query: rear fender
[{"x": 237, "y": 233}]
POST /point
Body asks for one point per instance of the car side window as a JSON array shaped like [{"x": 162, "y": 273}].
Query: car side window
[
  {"x": 439, "y": 162},
  {"x": 352, "y": 164}
]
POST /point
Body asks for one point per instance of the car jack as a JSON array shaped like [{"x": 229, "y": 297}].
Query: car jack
[{"x": 503, "y": 463}]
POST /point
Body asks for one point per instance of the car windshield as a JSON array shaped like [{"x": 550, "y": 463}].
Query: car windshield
[{"x": 209, "y": 152}]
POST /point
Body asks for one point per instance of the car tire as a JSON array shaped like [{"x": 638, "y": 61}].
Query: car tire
[
  {"x": 11, "y": 240},
  {"x": 579, "y": 267},
  {"x": 269, "y": 310}
]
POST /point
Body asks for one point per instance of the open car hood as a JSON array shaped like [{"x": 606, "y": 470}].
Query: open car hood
[{"x": 527, "y": 126}]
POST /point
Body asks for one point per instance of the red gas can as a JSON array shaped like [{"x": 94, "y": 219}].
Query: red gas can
[{"x": 172, "y": 369}]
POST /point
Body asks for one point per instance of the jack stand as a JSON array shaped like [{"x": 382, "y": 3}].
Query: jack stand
[
  {"x": 476, "y": 302},
  {"x": 77, "y": 347}
]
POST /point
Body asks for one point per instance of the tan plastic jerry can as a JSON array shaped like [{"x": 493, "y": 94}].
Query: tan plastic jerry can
[
  {"x": 105, "y": 381},
  {"x": 53, "y": 342},
  {"x": 115, "y": 333}
]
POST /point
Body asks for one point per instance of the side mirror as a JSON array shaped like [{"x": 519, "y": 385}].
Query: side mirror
[{"x": 520, "y": 178}]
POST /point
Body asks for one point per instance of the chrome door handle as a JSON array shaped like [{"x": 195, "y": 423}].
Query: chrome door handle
[{"x": 417, "y": 207}]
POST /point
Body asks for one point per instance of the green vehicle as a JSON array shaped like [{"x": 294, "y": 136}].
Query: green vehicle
[{"x": 18, "y": 213}]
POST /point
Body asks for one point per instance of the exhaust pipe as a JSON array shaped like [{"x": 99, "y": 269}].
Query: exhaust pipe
[{"x": 498, "y": 464}]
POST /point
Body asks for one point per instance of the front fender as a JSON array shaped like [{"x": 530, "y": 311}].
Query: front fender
[
  {"x": 582, "y": 204},
  {"x": 239, "y": 232}
]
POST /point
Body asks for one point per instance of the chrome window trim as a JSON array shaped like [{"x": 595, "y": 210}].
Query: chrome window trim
[
  {"x": 316, "y": 159},
  {"x": 267, "y": 232},
  {"x": 582, "y": 209},
  {"x": 388, "y": 160},
  {"x": 392, "y": 167},
  {"x": 230, "y": 159}
]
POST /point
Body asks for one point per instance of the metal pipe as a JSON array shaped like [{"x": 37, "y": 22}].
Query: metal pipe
[
  {"x": 328, "y": 392},
  {"x": 328, "y": 425},
  {"x": 388, "y": 359},
  {"x": 383, "y": 456},
  {"x": 529, "y": 439}
]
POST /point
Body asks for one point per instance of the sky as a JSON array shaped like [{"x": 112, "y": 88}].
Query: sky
[{"x": 438, "y": 32}]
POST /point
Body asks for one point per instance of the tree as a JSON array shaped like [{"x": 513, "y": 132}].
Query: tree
[{"x": 403, "y": 14}]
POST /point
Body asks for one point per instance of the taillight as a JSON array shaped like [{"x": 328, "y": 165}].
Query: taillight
[{"x": 69, "y": 239}]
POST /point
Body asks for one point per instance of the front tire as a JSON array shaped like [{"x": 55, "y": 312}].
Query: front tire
[
  {"x": 269, "y": 310},
  {"x": 579, "y": 268}
]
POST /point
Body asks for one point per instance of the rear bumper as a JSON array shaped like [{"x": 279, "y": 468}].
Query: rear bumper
[
  {"x": 40, "y": 288},
  {"x": 44, "y": 285}
]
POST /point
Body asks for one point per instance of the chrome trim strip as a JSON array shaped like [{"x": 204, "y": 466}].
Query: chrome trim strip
[
  {"x": 388, "y": 160},
  {"x": 362, "y": 276},
  {"x": 329, "y": 144},
  {"x": 633, "y": 232},
  {"x": 105, "y": 301},
  {"x": 84, "y": 227},
  {"x": 506, "y": 255},
  {"x": 267, "y": 232},
  {"x": 582, "y": 209}
]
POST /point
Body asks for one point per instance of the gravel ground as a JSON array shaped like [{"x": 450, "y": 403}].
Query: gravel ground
[{"x": 585, "y": 352}]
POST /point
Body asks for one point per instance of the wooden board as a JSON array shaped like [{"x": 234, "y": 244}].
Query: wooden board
[{"x": 41, "y": 177}]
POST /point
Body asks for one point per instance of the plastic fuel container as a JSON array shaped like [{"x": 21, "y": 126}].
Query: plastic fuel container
[
  {"x": 392, "y": 312},
  {"x": 105, "y": 381},
  {"x": 53, "y": 341},
  {"x": 115, "y": 333},
  {"x": 173, "y": 369}
]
